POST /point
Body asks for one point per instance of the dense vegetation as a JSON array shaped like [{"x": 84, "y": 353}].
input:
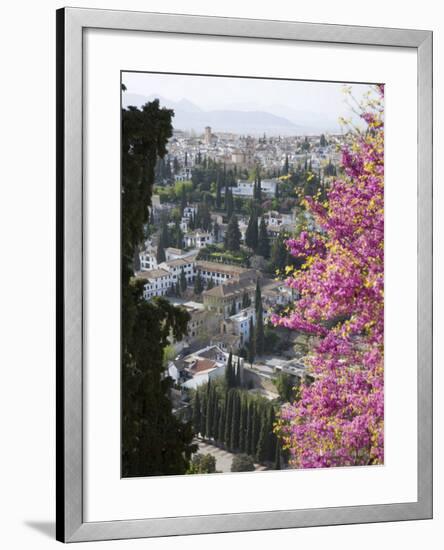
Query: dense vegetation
[{"x": 154, "y": 441}]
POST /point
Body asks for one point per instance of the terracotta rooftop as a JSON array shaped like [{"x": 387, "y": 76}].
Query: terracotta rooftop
[{"x": 202, "y": 365}]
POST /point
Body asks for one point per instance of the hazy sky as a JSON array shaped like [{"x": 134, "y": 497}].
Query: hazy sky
[{"x": 244, "y": 93}]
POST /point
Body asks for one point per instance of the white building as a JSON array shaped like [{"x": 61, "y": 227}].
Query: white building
[
  {"x": 175, "y": 268},
  {"x": 189, "y": 211},
  {"x": 148, "y": 259},
  {"x": 197, "y": 239},
  {"x": 158, "y": 282},
  {"x": 245, "y": 188},
  {"x": 239, "y": 324},
  {"x": 276, "y": 219},
  {"x": 204, "y": 365},
  {"x": 219, "y": 273}
]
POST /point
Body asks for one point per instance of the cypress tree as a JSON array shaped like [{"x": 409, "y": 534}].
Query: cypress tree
[
  {"x": 196, "y": 413},
  {"x": 263, "y": 241},
  {"x": 145, "y": 134},
  {"x": 279, "y": 254},
  {"x": 228, "y": 415},
  {"x": 238, "y": 374},
  {"x": 178, "y": 235},
  {"x": 261, "y": 449},
  {"x": 203, "y": 416},
  {"x": 259, "y": 331},
  {"x": 160, "y": 253},
  {"x": 251, "y": 343},
  {"x": 216, "y": 413},
  {"x": 209, "y": 411},
  {"x": 234, "y": 435},
  {"x": 210, "y": 284},
  {"x": 183, "y": 280},
  {"x": 218, "y": 192},
  {"x": 251, "y": 234},
  {"x": 233, "y": 308},
  {"x": 257, "y": 296},
  {"x": 233, "y": 236},
  {"x": 198, "y": 283},
  {"x": 249, "y": 432},
  {"x": 246, "y": 302},
  {"x": 164, "y": 234},
  {"x": 257, "y": 427},
  {"x": 254, "y": 430},
  {"x": 243, "y": 423},
  {"x": 229, "y": 203},
  {"x": 229, "y": 372},
  {"x": 221, "y": 425}
]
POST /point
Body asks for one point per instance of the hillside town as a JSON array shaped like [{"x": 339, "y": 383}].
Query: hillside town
[
  {"x": 222, "y": 209},
  {"x": 252, "y": 274}
]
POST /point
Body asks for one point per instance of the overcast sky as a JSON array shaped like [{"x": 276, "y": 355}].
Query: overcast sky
[
  {"x": 296, "y": 100},
  {"x": 223, "y": 92}
]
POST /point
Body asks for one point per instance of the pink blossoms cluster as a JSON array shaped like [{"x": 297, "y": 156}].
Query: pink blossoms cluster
[{"x": 338, "y": 419}]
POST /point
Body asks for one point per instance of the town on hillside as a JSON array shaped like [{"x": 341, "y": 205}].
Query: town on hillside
[{"x": 222, "y": 209}]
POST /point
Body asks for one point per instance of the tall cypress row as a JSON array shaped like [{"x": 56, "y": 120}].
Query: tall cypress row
[
  {"x": 234, "y": 435},
  {"x": 243, "y": 423},
  {"x": 209, "y": 411},
  {"x": 196, "y": 413},
  {"x": 228, "y": 414}
]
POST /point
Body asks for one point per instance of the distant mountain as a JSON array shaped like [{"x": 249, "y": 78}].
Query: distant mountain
[{"x": 189, "y": 116}]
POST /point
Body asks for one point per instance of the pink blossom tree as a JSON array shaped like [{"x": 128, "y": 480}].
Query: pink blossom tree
[{"x": 338, "y": 419}]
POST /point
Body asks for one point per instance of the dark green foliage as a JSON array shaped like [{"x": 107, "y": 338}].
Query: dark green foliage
[
  {"x": 230, "y": 375},
  {"x": 198, "y": 283},
  {"x": 221, "y": 425},
  {"x": 285, "y": 385},
  {"x": 196, "y": 413},
  {"x": 229, "y": 203},
  {"x": 277, "y": 458},
  {"x": 233, "y": 308},
  {"x": 279, "y": 255},
  {"x": 285, "y": 170},
  {"x": 160, "y": 253},
  {"x": 202, "y": 464},
  {"x": 251, "y": 343},
  {"x": 246, "y": 300},
  {"x": 218, "y": 192},
  {"x": 261, "y": 449},
  {"x": 154, "y": 441},
  {"x": 263, "y": 243},
  {"x": 259, "y": 331},
  {"x": 209, "y": 415},
  {"x": 178, "y": 235},
  {"x": 210, "y": 284},
  {"x": 228, "y": 417},
  {"x": 243, "y": 423},
  {"x": 233, "y": 236},
  {"x": 242, "y": 463},
  {"x": 183, "y": 281},
  {"x": 257, "y": 296},
  {"x": 235, "y": 418},
  {"x": 238, "y": 378},
  {"x": 251, "y": 234}
]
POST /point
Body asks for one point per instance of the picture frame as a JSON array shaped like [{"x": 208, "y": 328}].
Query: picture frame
[{"x": 71, "y": 525}]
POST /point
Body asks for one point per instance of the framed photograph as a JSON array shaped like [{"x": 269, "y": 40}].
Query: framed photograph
[{"x": 244, "y": 274}]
